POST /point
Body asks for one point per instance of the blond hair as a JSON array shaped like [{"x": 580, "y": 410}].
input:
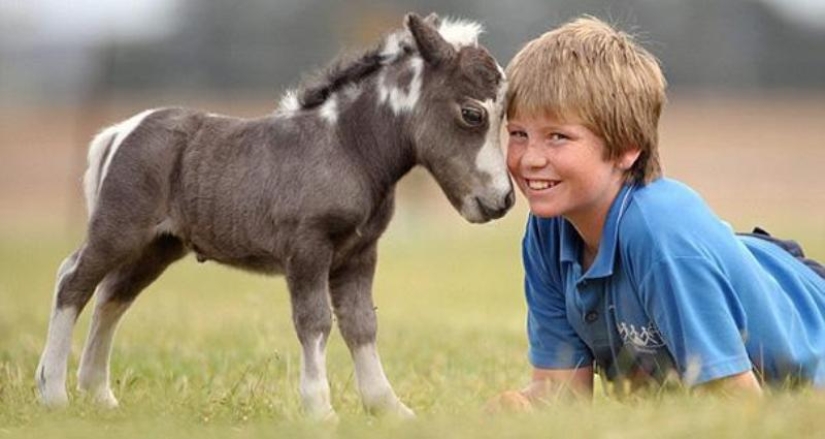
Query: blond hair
[{"x": 588, "y": 72}]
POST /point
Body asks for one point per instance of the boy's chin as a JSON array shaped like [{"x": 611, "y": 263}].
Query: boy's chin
[{"x": 543, "y": 211}]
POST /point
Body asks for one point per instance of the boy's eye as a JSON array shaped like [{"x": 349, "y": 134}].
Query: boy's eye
[
  {"x": 558, "y": 137},
  {"x": 518, "y": 133}
]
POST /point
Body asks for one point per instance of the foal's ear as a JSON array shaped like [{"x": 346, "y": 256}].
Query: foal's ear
[
  {"x": 433, "y": 20},
  {"x": 432, "y": 46}
]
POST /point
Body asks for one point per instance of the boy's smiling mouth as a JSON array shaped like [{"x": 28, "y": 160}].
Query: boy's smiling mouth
[{"x": 540, "y": 185}]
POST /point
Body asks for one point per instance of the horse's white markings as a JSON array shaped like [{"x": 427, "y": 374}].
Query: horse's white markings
[
  {"x": 401, "y": 100},
  {"x": 392, "y": 47},
  {"x": 351, "y": 92},
  {"x": 91, "y": 177},
  {"x": 289, "y": 103},
  {"x": 329, "y": 110},
  {"x": 314, "y": 385},
  {"x": 92, "y": 181},
  {"x": 460, "y": 33},
  {"x": 490, "y": 158},
  {"x": 52, "y": 370},
  {"x": 93, "y": 373},
  {"x": 373, "y": 385}
]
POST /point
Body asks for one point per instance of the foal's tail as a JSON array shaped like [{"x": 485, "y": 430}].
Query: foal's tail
[{"x": 101, "y": 151}]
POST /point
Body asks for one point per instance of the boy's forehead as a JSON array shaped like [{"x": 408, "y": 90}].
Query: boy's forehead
[{"x": 545, "y": 118}]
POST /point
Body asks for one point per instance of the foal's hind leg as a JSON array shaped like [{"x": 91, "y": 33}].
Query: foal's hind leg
[
  {"x": 114, "y": 296},
  {"x": 351, "y": 290},
  {"x": 76, "y": 281}
]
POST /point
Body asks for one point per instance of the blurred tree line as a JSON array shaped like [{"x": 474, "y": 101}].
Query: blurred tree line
[{"x": 245, "y": 46}]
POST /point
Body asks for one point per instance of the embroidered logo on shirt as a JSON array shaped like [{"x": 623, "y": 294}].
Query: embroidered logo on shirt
[{"x": 643, "y": 338}]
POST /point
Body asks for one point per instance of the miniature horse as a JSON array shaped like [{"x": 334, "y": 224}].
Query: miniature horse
[{"x": 305, "y": 192}]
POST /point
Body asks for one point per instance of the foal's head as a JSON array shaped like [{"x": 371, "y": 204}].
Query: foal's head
[{"x": 456, "y": 118}]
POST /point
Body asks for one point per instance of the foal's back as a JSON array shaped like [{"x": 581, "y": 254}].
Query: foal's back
[{"x": 238, "y": 191}]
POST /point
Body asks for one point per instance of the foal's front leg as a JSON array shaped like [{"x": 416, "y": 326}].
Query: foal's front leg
[
  {"x": 351, "y": 290},
  {"x": 307, "y": 278}
]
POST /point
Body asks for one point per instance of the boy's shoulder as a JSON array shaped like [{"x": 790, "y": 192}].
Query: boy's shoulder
[{"x": 667, "y": 214}]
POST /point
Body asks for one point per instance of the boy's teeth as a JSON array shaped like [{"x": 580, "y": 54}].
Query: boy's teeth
[{"x": 539, "y": 185}]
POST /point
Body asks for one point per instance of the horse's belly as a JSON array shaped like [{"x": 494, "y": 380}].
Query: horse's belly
[{"x": 246, "y": 257}]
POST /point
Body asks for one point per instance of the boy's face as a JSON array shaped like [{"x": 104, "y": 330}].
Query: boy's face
[{"x": 561, "y": 170}]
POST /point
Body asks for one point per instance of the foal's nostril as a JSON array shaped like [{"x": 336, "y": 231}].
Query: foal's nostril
[
  {"x": 495, "y": 212},
  {"x": 510, "y": 200}
]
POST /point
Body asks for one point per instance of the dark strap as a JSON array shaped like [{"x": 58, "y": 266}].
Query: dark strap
[{"x": 789, "y": 246}]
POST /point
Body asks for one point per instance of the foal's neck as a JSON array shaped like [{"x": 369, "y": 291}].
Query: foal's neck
[{"x": 378, "y": 139}]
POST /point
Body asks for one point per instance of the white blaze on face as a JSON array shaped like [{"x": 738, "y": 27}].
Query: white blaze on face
[{"x": 490, "y": 158}]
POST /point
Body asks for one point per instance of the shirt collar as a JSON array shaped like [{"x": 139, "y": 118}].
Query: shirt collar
[{"x": 571, "y": 245}]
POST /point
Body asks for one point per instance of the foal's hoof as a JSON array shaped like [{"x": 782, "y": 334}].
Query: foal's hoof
[
  {"x": 404, "y": 412},
  {"x": 50, "y": 396},
  {"x": 328, "y": 417},
  {"x": 104, "y": 399},
  {"x": 53, "y": 398},
  {"x": 395, "y": 410}
]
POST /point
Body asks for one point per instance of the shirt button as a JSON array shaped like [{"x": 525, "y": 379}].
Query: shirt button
[{"x": 591, "y": 317}]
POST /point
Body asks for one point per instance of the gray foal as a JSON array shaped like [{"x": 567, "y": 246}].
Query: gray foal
[{"x": 305, "y": 192}]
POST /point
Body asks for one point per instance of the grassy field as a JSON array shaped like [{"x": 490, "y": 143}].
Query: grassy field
[{"x": 210, "y": 352}]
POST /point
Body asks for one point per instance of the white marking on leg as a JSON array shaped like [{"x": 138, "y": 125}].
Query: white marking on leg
[
  {"x": 376, "y": 391},
  {"x": 51, "y": 372},
  {"x": 329, "y": 110},
  {"x": 91, "y": 180},
  {"x": 93, "y": 373},
  {"x": 314, "y": 385}
]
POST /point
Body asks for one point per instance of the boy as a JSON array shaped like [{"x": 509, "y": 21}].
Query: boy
[{"x": 630, "y": 274}]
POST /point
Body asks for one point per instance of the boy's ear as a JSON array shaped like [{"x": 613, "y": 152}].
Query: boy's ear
[
  {"x": 628, "y": 158},
  {"x": 432, "y": 46}
]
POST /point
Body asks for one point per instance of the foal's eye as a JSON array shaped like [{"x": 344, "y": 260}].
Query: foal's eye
[{"x": 472, "y": 116}]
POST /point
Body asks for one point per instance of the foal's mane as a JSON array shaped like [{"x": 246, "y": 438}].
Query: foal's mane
[
  {"x": 347, "y": 70},
  {"x": 353, "y": 68}
]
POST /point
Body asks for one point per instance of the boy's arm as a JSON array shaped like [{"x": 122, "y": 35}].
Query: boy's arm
[{"x": 742, "y": 384}]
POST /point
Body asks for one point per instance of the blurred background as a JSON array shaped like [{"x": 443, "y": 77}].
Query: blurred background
[{"x": 744, "y": 124}]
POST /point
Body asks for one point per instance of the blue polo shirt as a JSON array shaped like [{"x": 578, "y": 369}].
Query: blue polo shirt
[{"x": 672, "y": 289}]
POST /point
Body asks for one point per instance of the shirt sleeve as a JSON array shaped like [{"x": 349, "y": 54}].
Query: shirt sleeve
[
  {"x": 699, "y": 316},
  {"x": 553, "y": 343}
]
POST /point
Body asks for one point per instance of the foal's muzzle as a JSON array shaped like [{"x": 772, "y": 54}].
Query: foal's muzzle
[{"x": 495, "y": 210}]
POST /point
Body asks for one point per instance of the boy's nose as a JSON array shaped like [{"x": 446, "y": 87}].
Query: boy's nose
[{"x": 533, "y": 158}]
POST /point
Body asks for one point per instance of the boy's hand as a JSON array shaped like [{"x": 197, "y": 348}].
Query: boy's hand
[{"x": 511, "y": 401}]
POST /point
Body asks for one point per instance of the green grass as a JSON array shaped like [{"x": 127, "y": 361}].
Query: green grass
[{"x": 210, "y": 352}]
